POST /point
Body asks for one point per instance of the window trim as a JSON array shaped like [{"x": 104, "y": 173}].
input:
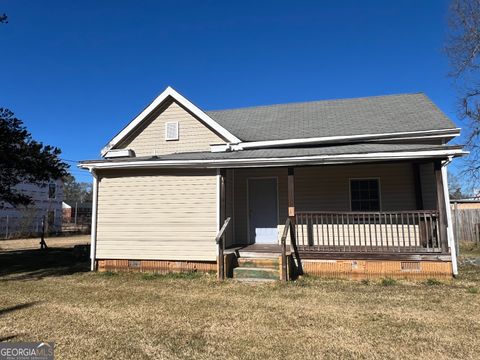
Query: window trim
[
  {"x": 166, "y": 131},
  {"x": 54, "y": 193},
  {"x": 366, "y": 178}
]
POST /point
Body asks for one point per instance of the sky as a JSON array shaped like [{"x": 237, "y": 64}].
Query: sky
[{"x": 76, "y": 72}]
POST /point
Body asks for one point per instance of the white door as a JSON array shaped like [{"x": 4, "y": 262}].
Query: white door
[{"x": 262, "y": 210}]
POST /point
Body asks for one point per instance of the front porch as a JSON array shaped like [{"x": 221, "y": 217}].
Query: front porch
[{"x": 316, "y": 223}]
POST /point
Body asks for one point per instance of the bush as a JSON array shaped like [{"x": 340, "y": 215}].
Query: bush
[{"x": 388, "y": 282}]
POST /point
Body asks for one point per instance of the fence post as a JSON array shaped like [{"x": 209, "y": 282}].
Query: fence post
[
  {"x": 76, "y": 210},
  {"x": 6, "y": 229},
  {"x": 43, "y": 244}
]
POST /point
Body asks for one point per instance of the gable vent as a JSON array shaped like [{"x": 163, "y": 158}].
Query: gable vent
[{"x": 171, "y": 130}]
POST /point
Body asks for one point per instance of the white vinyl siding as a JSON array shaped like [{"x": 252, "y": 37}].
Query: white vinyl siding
[
  {"x": 151, "y": 139},
  {"x": 157, "y": 214}
]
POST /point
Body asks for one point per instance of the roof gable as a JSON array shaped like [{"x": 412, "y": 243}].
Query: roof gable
[{"x": 167, "y": 96}]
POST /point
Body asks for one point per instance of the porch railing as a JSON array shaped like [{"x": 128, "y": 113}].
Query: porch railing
[
  {"x": 373, "y": 232},
  {"x": 220, "y": 241}
]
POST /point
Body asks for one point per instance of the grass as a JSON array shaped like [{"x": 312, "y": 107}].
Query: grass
[
  {"x": 469, "y": 249},
  {"x": 388, "y": 282},
  {"x": 50, "y": 296}
]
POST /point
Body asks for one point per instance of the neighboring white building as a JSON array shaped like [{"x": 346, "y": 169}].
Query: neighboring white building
[{"x": 47, "y": 201}]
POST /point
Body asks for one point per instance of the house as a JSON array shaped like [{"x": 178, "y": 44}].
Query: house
[
  {"x": 27, "y": 220},
  {"x": 354, "y": 187}
]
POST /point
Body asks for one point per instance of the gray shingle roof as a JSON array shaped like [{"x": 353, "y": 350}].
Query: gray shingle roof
[
  {"x": 287, "y": 152},
  {"x": 369, "y": 115}
]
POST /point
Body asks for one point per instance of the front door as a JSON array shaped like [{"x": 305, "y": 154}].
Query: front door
[{"x": 262, "y": 210}]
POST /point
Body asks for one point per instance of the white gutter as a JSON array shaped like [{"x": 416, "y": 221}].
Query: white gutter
[
  {"x": 451, "y": 239},
  {"x": 336, "y": 139},
  {"x": 93, "y": 237},
  {"x": 279, "y": 161}
]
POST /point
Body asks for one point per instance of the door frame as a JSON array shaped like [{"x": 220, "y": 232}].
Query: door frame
[{"x": 248, "y": 202}]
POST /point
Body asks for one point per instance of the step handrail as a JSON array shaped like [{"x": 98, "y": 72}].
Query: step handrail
[
  {"x": 220, "y": 241},
  {"x": 283, "y": 243}
]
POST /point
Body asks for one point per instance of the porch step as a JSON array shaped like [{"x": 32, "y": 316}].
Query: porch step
[
  {"x": 264, "y": 263},
  {"x": 256, "y": 273},
  {"x": 259, "y": 255}
]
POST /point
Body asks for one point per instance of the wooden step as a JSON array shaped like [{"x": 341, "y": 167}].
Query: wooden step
[
  {"x": 261, "y": 255},
  {"x": 270, "y": 263},
  {"x": 256, "y": 273}
]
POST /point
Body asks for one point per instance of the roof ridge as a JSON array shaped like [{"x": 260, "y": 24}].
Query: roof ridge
[{"x": 317, "y": 101}]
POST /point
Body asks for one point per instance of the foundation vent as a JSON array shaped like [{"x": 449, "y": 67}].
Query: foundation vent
[
  {"x": 410, "y": 265},
  {"x": 134, "y": 264}
]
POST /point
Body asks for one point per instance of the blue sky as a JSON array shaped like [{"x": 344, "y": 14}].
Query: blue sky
[{"x": 76, "y": 72}]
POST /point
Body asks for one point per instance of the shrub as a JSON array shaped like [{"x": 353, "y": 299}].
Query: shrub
[
  {"x": 388, "y": 282},
  {"x": 472, "y": 290}
]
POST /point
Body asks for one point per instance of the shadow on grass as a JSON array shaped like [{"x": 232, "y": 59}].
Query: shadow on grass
[
  {"x": 37, "y": 264},
  {"x": 17, "y": 307}
]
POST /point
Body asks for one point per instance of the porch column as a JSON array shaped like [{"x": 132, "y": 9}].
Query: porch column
[
  {"x": 291, "y": 194},
  {"x": 442, "y": 212},
  {"x": 418, "y": 186},
  {"x": 223, "y": 200},
  {"x": 291, "y": 215}
]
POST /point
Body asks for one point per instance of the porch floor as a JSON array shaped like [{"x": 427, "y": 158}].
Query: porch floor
[{"x": 257, "y": 250}]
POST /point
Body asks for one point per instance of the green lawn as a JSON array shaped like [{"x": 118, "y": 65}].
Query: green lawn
[{"x": 50, "y": 296}]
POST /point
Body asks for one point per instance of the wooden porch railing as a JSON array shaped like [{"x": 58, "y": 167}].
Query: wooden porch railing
[
  {"x": 372, "y": 232},
  {"x": 220, "y": 241}
]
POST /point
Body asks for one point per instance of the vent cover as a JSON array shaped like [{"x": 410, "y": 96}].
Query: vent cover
[
  {"x": 410, "y": 266},
  {"x": 171, "y": 130}
]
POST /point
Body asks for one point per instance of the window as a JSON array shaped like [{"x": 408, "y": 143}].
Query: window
[
  {"x": 171, "y": 131},
  {"x": 365, "y": 194},
  {"x": 52, "y": 189}
]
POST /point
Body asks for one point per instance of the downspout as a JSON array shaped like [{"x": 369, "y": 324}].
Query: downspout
[
  {"x": 93, "y": 239},
  {"x": 451, "y": 239}
]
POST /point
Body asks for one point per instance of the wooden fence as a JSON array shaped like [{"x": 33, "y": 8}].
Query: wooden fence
[{"x": 466, "y": 224}]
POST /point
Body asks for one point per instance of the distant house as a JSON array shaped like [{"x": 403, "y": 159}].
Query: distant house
[
  {"x": 76, "y": 211},
  {"x": 21, "y": 220},
  {"x": 353, "y": 187}
]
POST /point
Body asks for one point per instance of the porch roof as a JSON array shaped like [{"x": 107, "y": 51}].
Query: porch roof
[{"x": 348, "y": 153}]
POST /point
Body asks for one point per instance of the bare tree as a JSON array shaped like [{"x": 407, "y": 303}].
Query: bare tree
[{"x": 463, "y": 50}]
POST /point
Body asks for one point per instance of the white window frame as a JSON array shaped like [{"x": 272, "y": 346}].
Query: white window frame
[
  {"x": 366, "y": 178},
  {"x": 166, "y": 131}
]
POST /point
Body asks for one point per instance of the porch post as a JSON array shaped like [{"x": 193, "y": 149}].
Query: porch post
[
  {"x": 223, "y": 201},
  {"x": 291, "y": 215},
  {"x": 418, "y": 185},
  {"x": 442, "y": 212},
  {"x": 223, "y": 207},
  {"x": 291, "y": 194}
]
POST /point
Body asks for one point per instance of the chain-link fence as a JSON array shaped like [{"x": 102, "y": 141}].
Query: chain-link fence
[{"x": 14, "y": 226}]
